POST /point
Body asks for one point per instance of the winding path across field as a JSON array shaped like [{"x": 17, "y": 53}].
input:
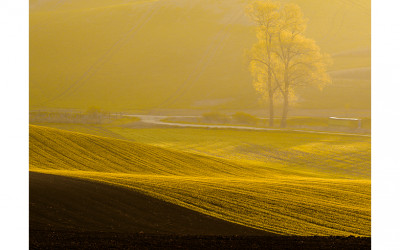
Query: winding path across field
[{"x": 158, "y": 120}]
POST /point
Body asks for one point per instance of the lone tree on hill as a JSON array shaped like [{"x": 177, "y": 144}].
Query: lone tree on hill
[{"x": 283, "y": 59}]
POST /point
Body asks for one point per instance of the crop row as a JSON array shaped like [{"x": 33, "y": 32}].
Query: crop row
[
  {"x": 288, "y": 206},
  {"x": 246, "y": 194}
]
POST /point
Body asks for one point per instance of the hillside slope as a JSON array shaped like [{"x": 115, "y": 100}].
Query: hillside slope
[
  {"x": 67, "y": 204},
  {"x": 142, "y": 54},
  {"x": 248, "y": 195},
  {"x": 312, "y": 155},
  {"x": 54, "y": 149}
]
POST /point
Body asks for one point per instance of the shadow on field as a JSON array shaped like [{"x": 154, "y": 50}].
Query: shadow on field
[
  {"x": 70, "y": 213},
  {"x": 104, "y": 240},
  {"x": 69, "y": 204}
]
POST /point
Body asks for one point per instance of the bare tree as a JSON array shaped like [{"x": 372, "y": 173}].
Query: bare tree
[{"x": 284, "y": 59}]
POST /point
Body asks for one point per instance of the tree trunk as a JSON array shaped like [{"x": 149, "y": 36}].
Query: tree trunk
[
  {"x": 285, "y": 97},
  {"x": 285, "y": 110},
  {"x": 270, "y": 90},
  {"x": 271, "y": 109}
]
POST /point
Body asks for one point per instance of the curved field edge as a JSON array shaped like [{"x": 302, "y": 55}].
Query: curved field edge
[
  {"x": 288, "y": 205},
  {"x": 60, "y": 203},
  {"x": 314, "y": 155},
  {"x": 55, "y": 149}
]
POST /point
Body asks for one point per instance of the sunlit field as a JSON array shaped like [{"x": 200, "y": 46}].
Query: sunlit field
[
  {"x": 319, "y": 155},
  {"x": 272, "y": 199},
  {"x": 200, "y": 118}
]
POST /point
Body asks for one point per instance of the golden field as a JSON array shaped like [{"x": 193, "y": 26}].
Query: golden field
[
  {"x": 158, "y": 102},
  {"x": 273, "y": 199}
]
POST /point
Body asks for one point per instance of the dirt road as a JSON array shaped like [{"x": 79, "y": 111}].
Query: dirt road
[{"x": 158, "y": 120}]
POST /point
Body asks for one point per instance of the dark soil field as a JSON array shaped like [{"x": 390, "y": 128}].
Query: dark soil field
[
  {"x": 68, "y": 213},
  {"x": 107, "y": 240},
  {"x": 68, "y": 204}
]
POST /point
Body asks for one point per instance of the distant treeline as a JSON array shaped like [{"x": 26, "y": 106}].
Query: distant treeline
[
  {"x": 293, "y": 122},
  {"x": 91, "y": 116}
]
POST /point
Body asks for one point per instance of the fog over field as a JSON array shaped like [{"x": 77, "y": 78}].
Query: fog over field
[
  {"x": 141, "y": 55},
  {"x": 200, "y": 123}
]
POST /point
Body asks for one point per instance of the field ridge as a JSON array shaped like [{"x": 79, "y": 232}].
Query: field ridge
[{"x": 248, "y": 195}]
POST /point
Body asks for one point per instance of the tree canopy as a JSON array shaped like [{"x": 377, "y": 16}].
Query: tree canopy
[{"x": 283, "y": 59}]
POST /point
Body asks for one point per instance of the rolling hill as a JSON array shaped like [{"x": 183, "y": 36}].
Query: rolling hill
[
  {"x": 250, "y": 195},
  {"x": 59, "y": 203},
  {"x": 307, "y": 154},
  {"x": 163, "y": 54}
]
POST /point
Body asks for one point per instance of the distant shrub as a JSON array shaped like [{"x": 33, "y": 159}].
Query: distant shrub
[
  {"x": 215, "y": 117},
  {"x": 94, "y": 111},
  {"x": 94, "y": 115},
  {"x": 244, "y": 118},
  {"x": 91, "y": 116}
]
